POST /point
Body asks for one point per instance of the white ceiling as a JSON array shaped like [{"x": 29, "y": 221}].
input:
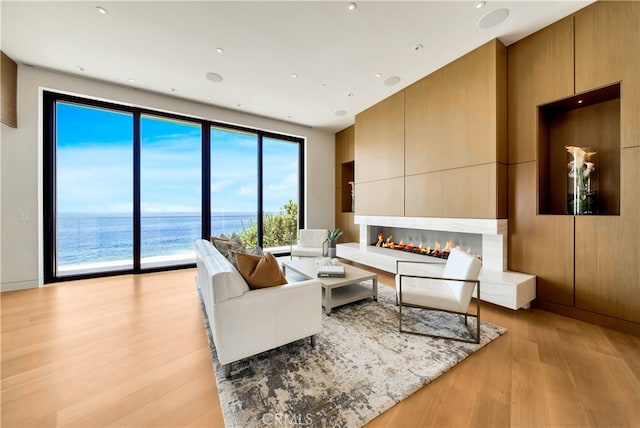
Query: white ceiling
[{"x": 168, "y": 47}]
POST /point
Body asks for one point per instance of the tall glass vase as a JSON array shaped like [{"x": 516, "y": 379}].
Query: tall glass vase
[{"x": 582, "y": 182}]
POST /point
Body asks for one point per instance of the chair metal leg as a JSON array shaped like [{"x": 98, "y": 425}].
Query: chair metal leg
[
  {"x": 227, "y": 370},
  {"x": 313, "y": 340}
]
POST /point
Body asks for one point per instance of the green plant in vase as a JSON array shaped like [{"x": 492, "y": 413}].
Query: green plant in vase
[{"x": 581, "y": 189}]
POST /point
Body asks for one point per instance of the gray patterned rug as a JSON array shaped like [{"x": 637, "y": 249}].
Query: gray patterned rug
[{"x": 360, "y": 367}]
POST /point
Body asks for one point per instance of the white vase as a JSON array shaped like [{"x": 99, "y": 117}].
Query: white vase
[{"x": 331, "y": 252}]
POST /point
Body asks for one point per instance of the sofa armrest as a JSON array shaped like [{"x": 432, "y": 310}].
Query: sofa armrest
[{"x": 265, "y": 318}]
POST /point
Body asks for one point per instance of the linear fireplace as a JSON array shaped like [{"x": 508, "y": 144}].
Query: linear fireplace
[
  {"x": 432, "y": 243},
  {"x": 486, "y": 238}
]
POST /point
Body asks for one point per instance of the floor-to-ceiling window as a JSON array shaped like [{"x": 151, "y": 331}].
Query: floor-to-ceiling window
[
  {"x": 234, "y": 182},
  {"x": 280, "y": 188},
  {"x": 94, "y": 193},
  {"x": 170, "y": 190},
  {"x": 128, "y": 189}
]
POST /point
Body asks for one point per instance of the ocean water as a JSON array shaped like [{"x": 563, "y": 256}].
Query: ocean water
[{"x": 86, "y": 238}]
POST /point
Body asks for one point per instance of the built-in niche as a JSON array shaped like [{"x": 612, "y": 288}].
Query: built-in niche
[
  {"x": 347, "y": 187},
  {"x": 587, "y": 120}
]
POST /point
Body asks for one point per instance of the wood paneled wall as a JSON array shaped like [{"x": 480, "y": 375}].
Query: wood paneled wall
[
  {"x": 540, "y": 70},
  {"x": 345, "y": 155},
  {"x": 8, "y": 91},
  {"x": 438, "y": 148},
  {"x": 607, "y": 51},
  {"x": 379, "y": 136},
  {"x": 587, "y": 266}
]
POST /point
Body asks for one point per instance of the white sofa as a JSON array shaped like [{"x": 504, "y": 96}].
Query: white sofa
[{"x": 246, "y": 322}]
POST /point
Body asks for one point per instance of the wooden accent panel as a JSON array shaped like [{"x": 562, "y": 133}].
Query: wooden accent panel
[
  {"x": 606, "y": 51},
  {"x": 344, "y": 173},
  {"x": 354, "y": 229},
  {"x": 8, "y": 91},
  {"x": 608, "y": 252},
  {"x": 382, "y": 197},
  {"x": 460, "y": 193},
  {"x": 597, "y": 127},
  {"x": 452, "y": 114},
  {"x": 379, "y": 140},
  {"x": 540, "y": 69},
  {"x": 342, "y": 223},
  {"x": 341, "y": 152},
  {"x": 539, "y": 245}
]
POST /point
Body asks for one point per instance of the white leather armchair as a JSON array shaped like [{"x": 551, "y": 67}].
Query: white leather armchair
[
  {"x": 309, "y": 243},
  {"x": 246, "y": 322},
  {"x": 449, "y": 291}
]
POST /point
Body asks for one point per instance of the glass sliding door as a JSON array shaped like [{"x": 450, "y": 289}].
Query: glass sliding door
[
  {"x": 94, "y": 190},
  {"x": 128, "y": 189},
  {"x": 170, "y": 191},
  {"x": 234, "y": 183},
  {"x": 280, "y": 190}
]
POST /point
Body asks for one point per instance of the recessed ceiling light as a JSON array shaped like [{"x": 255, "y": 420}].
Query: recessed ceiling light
[
  {"x": 214, "y": 77},
  {"x": 172, "y": 89},
  {"x": 352, "y": 6},
  {"x": 393, "y": 80},
  {"x": 294, "y": 75},
  {"x": 579, "y": 101},
  {"x": 79, "y": 67},
  {"x": 323, "y": 85},
  {"x": 480, "y": 4},
  {"x": 328, "y": 109},
  {"x": 238, "y": 105},
  {"x": 219, "y": 50},
  {"x": 418, "y": 47},
  {"x": 209, "y": 98},
  {"x": 378, "y": 75},
  {"x": 341, "y": 113},
  {"x": 493, "y": 18},
  {"x": 350, "y": 94},
  {"x": 102, "y": 10},
  {"x": 131, "y": 80}
]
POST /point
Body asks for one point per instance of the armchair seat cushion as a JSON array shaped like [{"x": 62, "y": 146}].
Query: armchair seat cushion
[
  {"x": 430, "y": 293},
  {"x": 306, "y": 252}
]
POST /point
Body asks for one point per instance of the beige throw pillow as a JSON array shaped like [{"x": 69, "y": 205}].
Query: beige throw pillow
[{"x": 260, "y": 271}]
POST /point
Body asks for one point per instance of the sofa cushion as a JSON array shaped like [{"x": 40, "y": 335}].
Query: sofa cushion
[
  {"x": 260, "y": 271},
  {"x": 227, "y": 246}
]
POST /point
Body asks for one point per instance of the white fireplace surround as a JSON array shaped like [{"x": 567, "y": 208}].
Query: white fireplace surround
[
  {"x": 494, "y": 233},
  {"x": 498, "y": 285}
]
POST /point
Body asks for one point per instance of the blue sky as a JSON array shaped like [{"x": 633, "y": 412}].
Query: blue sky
[{"x": 95, "y": 165}]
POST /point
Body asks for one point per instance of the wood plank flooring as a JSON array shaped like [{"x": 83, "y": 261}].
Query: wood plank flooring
[{"x": 132, "y": 351}]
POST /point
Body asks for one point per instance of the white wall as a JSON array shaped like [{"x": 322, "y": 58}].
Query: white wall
[{"x": 21, "y": 161}]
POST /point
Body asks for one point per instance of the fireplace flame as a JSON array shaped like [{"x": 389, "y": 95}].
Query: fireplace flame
[{"x": 437, "y": 250}]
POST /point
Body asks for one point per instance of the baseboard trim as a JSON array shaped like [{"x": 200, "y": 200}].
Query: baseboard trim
[{"x": 617, "y": 324}]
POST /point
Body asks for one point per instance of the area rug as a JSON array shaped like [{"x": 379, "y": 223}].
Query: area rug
[{"x": 360, "y": 367}]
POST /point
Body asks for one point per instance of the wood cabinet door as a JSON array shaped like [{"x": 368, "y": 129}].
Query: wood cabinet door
[
  {"x": 607, "y": 257},
  {"x": 379, "y": 140},
  {"x": 607, "y": 50},
  {"x": 541, "y": 245},
  {"x": 540, "y": 70}
]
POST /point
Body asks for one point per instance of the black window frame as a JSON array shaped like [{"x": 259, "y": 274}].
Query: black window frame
[{"x": 50, "y": 98}]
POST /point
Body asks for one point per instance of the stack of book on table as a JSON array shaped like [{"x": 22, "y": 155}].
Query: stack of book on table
[{"x": 330, "y": 271}]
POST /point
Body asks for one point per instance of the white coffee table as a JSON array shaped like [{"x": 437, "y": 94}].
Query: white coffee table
[{"x": 337, "y": 291}]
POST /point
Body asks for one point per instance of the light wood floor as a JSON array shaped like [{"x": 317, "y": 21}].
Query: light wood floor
[{"x": 131, "y": 351}]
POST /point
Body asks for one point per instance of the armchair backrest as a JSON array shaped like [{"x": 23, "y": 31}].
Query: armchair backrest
[
  {"x": 461, "y": 265},
  {"x": 312, "y": 237}
]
